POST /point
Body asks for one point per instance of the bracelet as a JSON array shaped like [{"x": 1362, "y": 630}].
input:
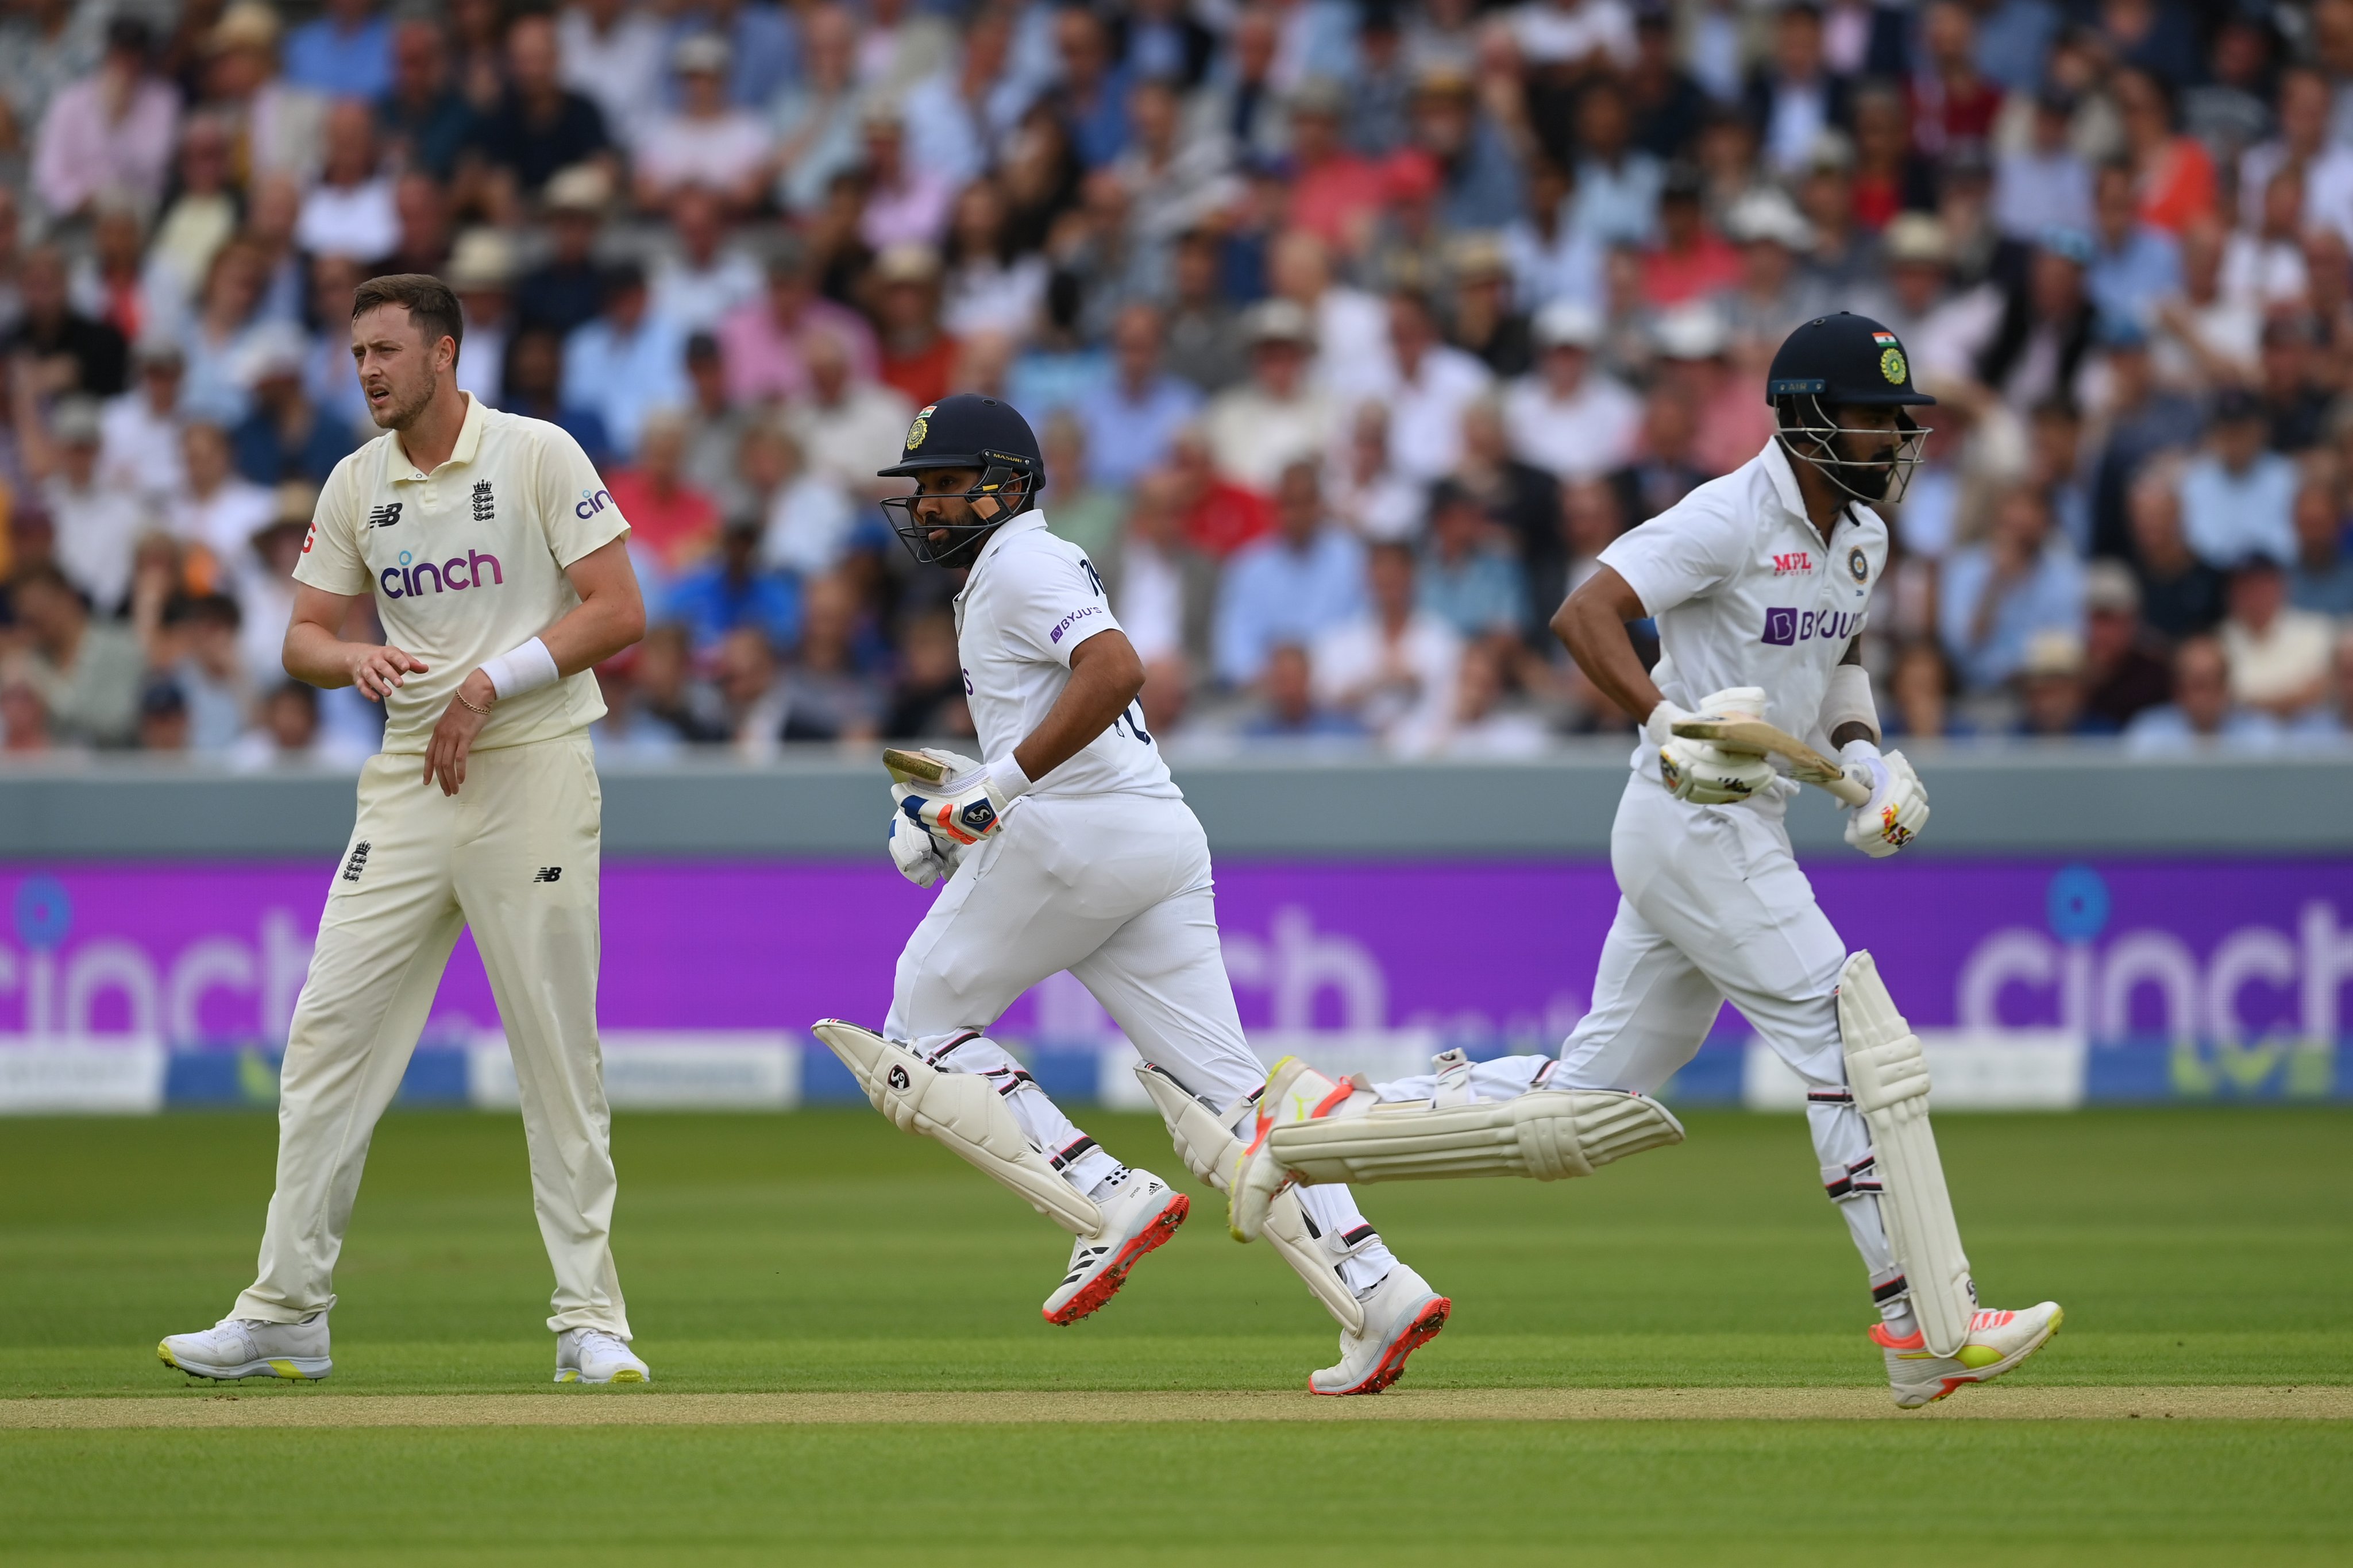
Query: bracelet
[{"x": 469, "y": 707}]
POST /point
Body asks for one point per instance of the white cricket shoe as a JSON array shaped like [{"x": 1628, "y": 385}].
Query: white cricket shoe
[
  {"x": 1997, "y": 1342},
  {"x": 247, "y": 1347},
  {"x": 1140, "y": 1213},
  {"x": 1401, "y": 1315},
  {"x": 592, "y": 1355}
]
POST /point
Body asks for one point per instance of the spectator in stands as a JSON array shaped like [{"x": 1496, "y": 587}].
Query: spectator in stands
[
  {"x": 277, "y": 121},
  {"x": 2238, "y": 498},
  {"x": 1617, "y": 183},
  {"x": 24, "y": 720},
  {"x": 848, "y": 425},
  {"x": 2145, "y": 418},
  {"x": 1163, "y": 589},
  {"x": 69, "y": 352},
  {"x": 700, "y": 279},
  {"x": 732, "y": 589},
  {"x": 2125, "y": 668},
  {"x": 289, "y": 734},
  {"x": 1279, "y": 416},
  {"x": 2321, "y": 578},
  {"x": 2181, "y": 595},
  {"x": 826, "y": 696},
  {"x": 1206, "y": 342},
  {"x": 2044, "y": 183},
  {"x": 1435, "y": 381},
  {"x": 1468, "y": 576},
  {"x": 2202, "y": 716},
  {"x": 1287, "y": 710},
  {"x": 286, "y": 436},
  {"x": 424, "y": 119},
  {"x": 537, "y": 129},
  {"x": 627, "y": 362},
  {"x": 219, "y": 510},
  {"x": 344, "y": 54},
  {"x": 1568, "y": 415},
  {"x": 1689, "y": 260},
  {"x": 1997, "y": 596},
  {"x": 565, "y": 292},
  {"x": 928, "y": 699},
  {"x": 708, "y": 142},
  {"x": 531, "y": 383},
  {"x": 918, "y": 356},
  {"x": 2050, "y": 689},
  {"x": 164, "y": 718},
  {"x": 1396, "y": 667},
  {"x": 1131, "y": 424},
  {"x": 2329, "y": 722},
  {"x": 1482, "y": 727},
  {"x": 1920, "y": 687},
  {"x": 110, "y": 133},
  {"x": 86, "y": 672},
  {"x": 196, "y": 652},
  {"x": 1293, "y": 586},
  {"x": 96, "y": 523},
  {"x": 763, "y": 341},
  {"x": 2279, "y": 656}
]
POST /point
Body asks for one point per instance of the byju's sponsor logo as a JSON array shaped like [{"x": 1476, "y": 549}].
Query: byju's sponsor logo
[
  {"x": 1786, "y": 628},
  {"x": 455, "y": 574},
  {"x": 591, "y": 502},
  {"x": 1073, "y": 619}
]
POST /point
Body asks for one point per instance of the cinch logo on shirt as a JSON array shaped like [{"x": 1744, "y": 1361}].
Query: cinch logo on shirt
[
  {"x": 1073, "y": 619},
  {"x": 1786, "y": 628},
  {"x": 1796, "y": 560},
  {"x": 456, "y": 574},
  {"x": 592, "y": 503}
]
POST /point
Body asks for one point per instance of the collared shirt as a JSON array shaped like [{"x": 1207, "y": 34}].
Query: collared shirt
[
  {"x": 1746, "y": 592},
  {"x": 1032, "y": 597},
  {"x": 1590, "y": 432},
  {"x": 324, "y": 58},
  {"x": 2049, "y": 598},
  {"x": 625, "y": 377},
  {"x": 1128, "y": 438},
  {"x": 2227, "y": 517},
  {"x": 1273, "y": 594},
  {"x": 466, "y": 563}
]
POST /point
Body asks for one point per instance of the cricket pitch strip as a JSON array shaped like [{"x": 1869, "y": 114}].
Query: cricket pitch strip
[{"x": 200, "y": 1406}]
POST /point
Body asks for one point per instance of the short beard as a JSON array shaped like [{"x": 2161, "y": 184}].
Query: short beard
[{"x": 396, "y": 416}]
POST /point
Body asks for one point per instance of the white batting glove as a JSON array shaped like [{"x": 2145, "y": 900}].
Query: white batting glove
[
  {"x": 918, "y": 856},
  {"x": 969, "y": 807},
  {"x": 1701, "y": 772},
  {"x": 1898, "y": 807}
]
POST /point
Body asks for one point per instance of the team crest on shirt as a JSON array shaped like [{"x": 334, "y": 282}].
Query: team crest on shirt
[{"x": 1858, "y": 566}]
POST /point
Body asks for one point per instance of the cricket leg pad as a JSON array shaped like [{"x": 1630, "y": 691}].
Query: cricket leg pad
[
  {"x": 963, "y": 1111},
  {"x": 1888, "y": 1074},
  {"x": 1546, "y": 1135}
]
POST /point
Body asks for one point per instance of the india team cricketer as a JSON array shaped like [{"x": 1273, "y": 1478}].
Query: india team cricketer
[{"x": 501, "y": 576}]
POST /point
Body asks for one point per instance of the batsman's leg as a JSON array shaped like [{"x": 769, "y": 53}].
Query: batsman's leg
[{"x": 1163, "y": 978}]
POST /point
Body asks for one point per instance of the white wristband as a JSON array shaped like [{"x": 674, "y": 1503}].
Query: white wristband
[
  {"x": 1847, "y": 701},
  {"x": 520, "y": 670},
  {"x": 1006, "y": 778}
]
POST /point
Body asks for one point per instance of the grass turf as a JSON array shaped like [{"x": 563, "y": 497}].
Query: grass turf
[{"x": 824, "y": 1251}]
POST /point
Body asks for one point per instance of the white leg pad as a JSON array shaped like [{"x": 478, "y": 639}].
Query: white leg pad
[
  {"x": 962, "y": 1111},
  {"x": 1211, "y": 1151},
  {"x": 1546, "y": 1135},
  {"x": 1889, "y": 1077}
]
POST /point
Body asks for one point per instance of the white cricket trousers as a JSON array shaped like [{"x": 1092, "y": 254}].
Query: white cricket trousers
[
  {"x": 1712, "y": 906},
  {"x": 1116, "y": 889},
  {"x": 515, "y": 857}
]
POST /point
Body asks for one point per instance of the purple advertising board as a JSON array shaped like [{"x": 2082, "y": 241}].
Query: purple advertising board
[{"x": 2212, "y": 950}]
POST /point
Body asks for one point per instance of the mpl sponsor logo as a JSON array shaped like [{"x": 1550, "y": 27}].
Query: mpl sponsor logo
[
  {"x": 454, "y": 575},
  {"x": 1795, "y": 561},
  {"x": 1786, "y": 628}
]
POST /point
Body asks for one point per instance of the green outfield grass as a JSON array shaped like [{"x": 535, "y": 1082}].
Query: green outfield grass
[{"x": 822, "y": 1251}]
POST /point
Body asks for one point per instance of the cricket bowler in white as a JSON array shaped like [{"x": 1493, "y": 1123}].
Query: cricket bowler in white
[
  {"x": 1759, "y": 583},
  {"x": 501, "y": 575},
  {"x": 1070, "y": 849}
]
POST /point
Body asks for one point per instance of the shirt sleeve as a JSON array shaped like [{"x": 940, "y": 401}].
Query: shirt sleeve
[
  {"x": 330, "y": 559},
  {"x": 575, "y": 510},
  {"x": 1058, "y": 604},
  {"x": 1679, "y": 554}
]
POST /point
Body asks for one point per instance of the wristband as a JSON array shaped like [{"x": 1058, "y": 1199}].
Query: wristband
[
  {"x": 1006, "y": 779},
  {"x": 1847, "y": 701},
  {"x": 523, "y": 668}
]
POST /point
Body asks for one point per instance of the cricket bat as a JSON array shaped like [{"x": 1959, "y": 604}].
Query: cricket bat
[{"x": 1806, "y": 764}]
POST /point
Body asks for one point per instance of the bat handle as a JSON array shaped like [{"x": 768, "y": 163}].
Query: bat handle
[{"x": 1848, "y": 789}]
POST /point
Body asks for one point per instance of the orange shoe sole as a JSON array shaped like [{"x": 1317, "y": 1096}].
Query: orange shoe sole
[
  {"x": 1423, "y": 1329},
  {"x": 1105, "y": 1285}
]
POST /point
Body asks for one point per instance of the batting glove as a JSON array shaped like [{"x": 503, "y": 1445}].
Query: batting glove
[
  {"x": 919, "y": 857},
  {"x": 1701, "y": 772},
  {"x": 1898, "y": 807},
  {"x": 968, "y": 807}
]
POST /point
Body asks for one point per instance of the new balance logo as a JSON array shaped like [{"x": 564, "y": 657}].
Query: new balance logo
[
  {"x": 549, "y": 874},
  {"x": 384, "y": 516},
  {"x": 357, "y": 863},
  {"x": 486, "y": 506}
]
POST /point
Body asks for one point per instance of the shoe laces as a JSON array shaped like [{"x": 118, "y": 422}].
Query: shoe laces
[{"x": 586, "y": 1340}]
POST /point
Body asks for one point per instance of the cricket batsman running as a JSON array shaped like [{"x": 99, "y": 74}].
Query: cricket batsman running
[
  {"x": 1759, "y": 583},
  {"x": 502, "y": 575},
  {"x": 1072, "y": 849}
]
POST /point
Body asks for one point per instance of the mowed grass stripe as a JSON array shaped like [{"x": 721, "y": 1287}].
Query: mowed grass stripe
[{"x": 619, "y": 1408}]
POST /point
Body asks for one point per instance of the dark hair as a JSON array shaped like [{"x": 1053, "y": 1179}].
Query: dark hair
[{"x": 432, "y": 307}]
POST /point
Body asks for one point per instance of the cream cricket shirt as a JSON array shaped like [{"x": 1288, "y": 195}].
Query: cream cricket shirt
[{"x": 466, "y": 562}]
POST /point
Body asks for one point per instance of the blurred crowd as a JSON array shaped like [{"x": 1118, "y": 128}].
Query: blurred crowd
[{"x": 1353, "y": 331}]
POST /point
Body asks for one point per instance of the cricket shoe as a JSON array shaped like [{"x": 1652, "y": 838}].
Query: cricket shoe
[
  {"x": 1140, "y": 1213},
  {"x": 1401, "y": 1315},
  {"x": 592, "y": 1355},
  {"x": 1997, "y": 1342},
  {"x": 247, "y": 1347}
]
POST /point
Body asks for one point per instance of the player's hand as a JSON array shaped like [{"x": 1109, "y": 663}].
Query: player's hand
[
  {"x": 1701, "y": 772},
  {"x": 961, "y": 812},
  {"x": 453, "y": 738},
  {"x": 376, "y": 670},
  {"x": 1898, "y": 807},
  {"x": 919, "y": 855}
]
